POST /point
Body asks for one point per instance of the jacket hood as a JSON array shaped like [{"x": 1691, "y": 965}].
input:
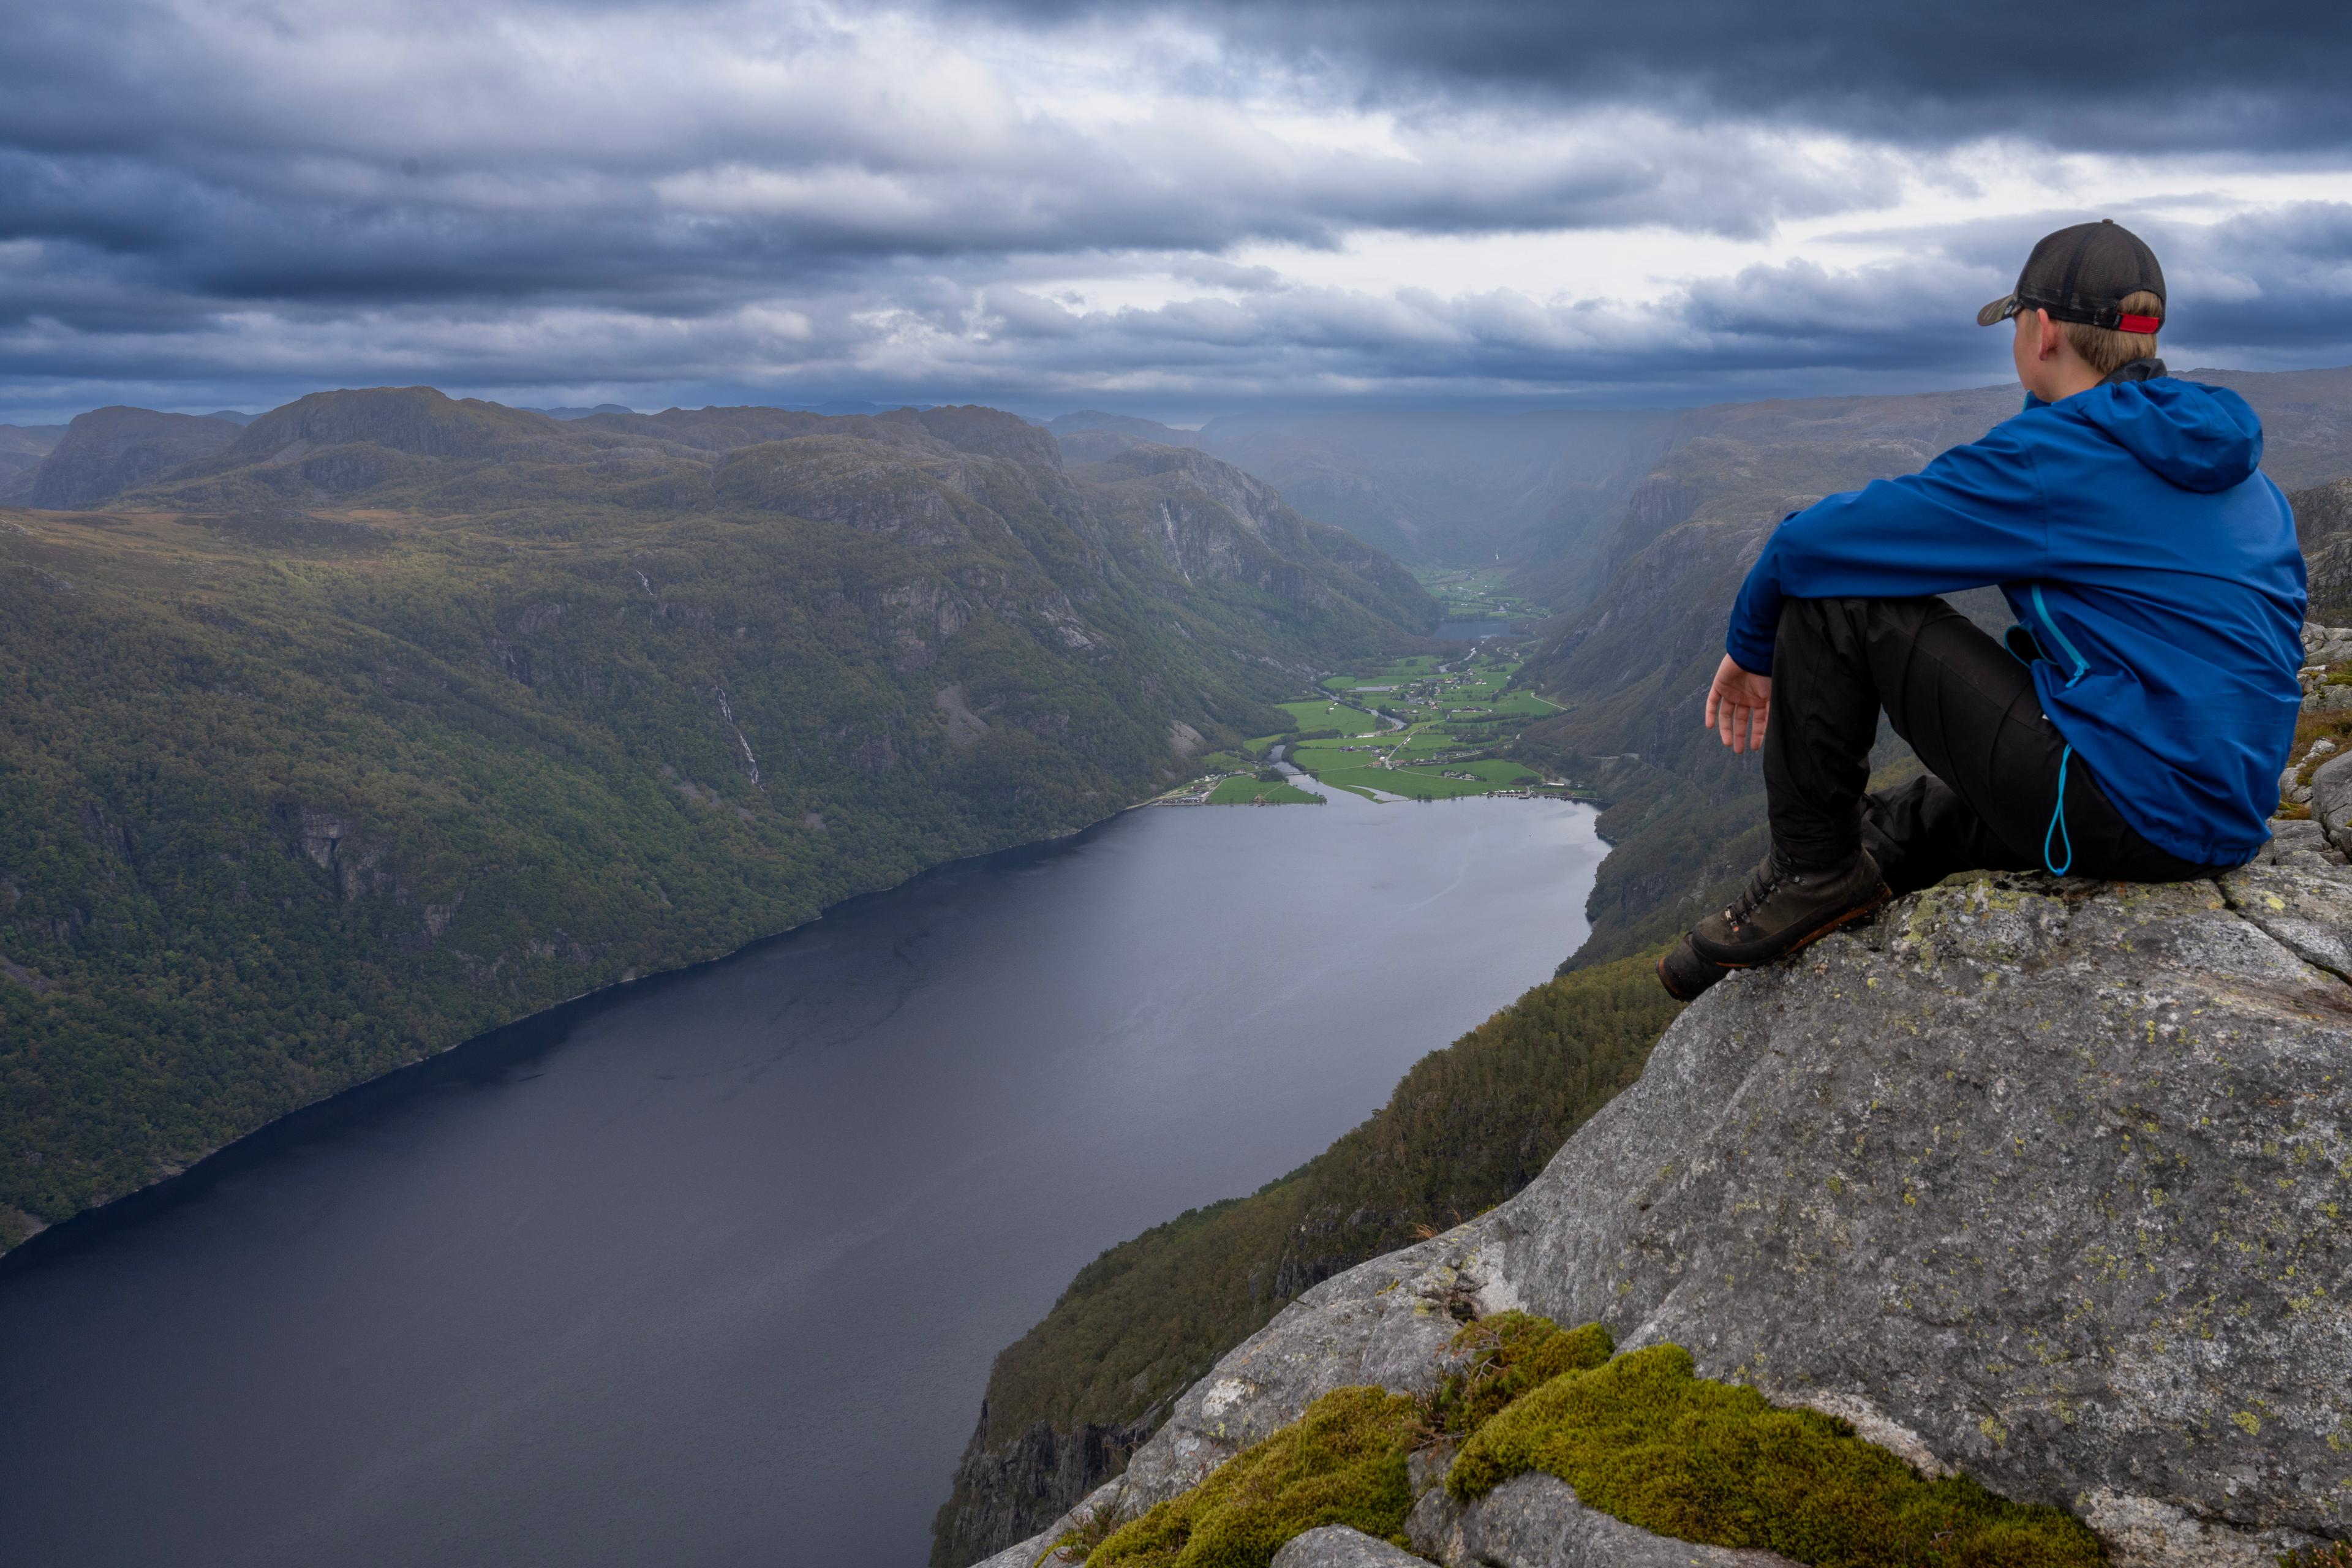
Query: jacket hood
[{"x": 2203, "y": 438}]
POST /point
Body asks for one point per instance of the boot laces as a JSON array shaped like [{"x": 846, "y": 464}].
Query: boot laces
[{"x": 1761, "y": 886}]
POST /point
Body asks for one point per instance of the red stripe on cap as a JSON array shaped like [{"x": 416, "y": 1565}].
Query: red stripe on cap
[{"x": 2141, "y": 325}]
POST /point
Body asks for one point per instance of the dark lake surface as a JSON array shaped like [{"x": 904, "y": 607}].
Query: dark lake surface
[{"x": 710, "y": 1269}]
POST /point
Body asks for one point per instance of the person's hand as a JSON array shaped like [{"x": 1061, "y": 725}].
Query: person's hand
[{"x": 1738, "y": 705}]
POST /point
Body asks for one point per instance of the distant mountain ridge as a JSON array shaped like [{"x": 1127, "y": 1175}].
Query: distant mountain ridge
[
  {"x": 22, "y": 448},
  {"x": 109, "y": 450},
  {"x": 1552, "y": 493}
]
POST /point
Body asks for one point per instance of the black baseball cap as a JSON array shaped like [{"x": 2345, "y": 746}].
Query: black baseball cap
[{"x": 2083, "y": 274}]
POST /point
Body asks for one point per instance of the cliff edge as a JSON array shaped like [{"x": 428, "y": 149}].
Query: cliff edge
[{"x": 2046, "y": 1180}]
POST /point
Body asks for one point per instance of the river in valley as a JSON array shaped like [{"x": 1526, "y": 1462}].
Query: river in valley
[{"x": 710, "y": 1270}]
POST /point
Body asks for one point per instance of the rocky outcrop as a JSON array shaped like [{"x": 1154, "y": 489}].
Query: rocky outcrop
[
  {"x": 2323, "y": 514},
  {"x": 2046, "y": 1180},
  {"x": 1536, "y": 1521},
  {"x": 2327, "y": 682},
  {"x": 1337, "y": 1546},
  {"x": 1001, "y": 1492},
  {"x": 109, "y": 450}
]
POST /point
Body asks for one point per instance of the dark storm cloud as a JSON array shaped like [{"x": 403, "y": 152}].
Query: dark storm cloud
[
  {"x": 2267, "y": 290},
  {"x": 204, "y": 202},
  {"x": 2168, "y": 74}
]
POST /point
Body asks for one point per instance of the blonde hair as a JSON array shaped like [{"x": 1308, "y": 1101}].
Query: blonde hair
[{"x": 2107, "y": 351}]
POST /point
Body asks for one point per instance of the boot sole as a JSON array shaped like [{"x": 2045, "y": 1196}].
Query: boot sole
[
  {"x": 1868, "y": 907},
  {"x": 1666, "y": 983},
  {"x": 1685, "y": 975}
]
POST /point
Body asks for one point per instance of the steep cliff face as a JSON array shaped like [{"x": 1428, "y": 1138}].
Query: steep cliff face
[{"x": 2049, "y": 1182}]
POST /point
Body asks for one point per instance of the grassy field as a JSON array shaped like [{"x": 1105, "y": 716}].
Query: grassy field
[
  {"x": 1311, "y": 714},
  {"x": 1428, "y": 783},
  {"x": 1475, "y": 595},
  {"x": 1251, "y": 791},
  {"x": 1451, "y": 708}
]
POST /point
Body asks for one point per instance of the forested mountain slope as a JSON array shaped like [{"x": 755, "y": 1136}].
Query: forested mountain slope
[{"x": 397, "y": 717}]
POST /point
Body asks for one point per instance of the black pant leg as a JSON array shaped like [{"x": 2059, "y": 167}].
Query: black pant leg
[
  {"x": 1920, "y": 833},
  {"x": 1825, "y": 704},
  {"x": 1971, "y": 710}
]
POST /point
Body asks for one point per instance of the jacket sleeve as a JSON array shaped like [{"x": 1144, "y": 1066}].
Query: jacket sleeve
[{"x": 1975, "y": 516}]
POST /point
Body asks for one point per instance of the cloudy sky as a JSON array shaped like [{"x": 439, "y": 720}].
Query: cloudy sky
[{"x": 1175, "y": 210}]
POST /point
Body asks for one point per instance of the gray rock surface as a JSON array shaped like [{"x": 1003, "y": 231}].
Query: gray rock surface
[
  {"x": 2327, "y": 645},
  {"x": 2331, "y": 797},
  {"x": 1337, "y": 1546},
  {"x": 1535, "y": 1521},
  {"x": 2046, "y": 1180}
]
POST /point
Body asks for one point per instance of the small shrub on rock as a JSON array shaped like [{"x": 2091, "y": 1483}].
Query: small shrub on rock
[
  {"x": 2328, "y": 1554},
  {"x": 1504, "y": 1356}
]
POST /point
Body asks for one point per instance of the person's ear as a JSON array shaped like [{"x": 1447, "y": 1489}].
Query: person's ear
[{"x": 2047, "y": 338}]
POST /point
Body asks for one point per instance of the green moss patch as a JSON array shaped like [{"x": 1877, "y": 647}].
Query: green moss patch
[
  {"x": 1638, "y": 1436},
  {"x": 1641, "y": 1439},
  {"x": 1342, "y": 1462}
]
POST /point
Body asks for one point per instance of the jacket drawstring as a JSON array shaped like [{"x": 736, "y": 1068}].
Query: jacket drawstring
[
  {"x": 2057, "y": 829},
  {"x": 2058, "y": 821}
]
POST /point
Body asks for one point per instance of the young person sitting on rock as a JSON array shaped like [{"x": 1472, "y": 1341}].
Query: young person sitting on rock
[{"x": 2133, "y": 725}]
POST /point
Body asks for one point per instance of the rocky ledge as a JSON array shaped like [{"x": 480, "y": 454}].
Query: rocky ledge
[{"x": 2046, "y": 1180}]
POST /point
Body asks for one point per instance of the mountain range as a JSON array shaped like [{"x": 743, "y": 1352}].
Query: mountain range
[{"x": 342, "y": 736}]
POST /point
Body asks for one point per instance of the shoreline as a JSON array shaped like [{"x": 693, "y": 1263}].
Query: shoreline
[
  {"x": 556, "y": 1018},
  {"x": 213, "y": 1164}
]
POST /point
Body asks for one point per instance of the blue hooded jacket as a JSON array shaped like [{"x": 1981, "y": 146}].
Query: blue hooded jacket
[{"x": 2128, "y": 527}]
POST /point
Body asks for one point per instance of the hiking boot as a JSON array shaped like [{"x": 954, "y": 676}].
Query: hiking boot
[
  {"x": 1784, "y": 906},
  {"x": 1684, "y": 974}
]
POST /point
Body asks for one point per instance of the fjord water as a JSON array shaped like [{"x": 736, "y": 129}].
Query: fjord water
[{"x": 710, "y": 1270}]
